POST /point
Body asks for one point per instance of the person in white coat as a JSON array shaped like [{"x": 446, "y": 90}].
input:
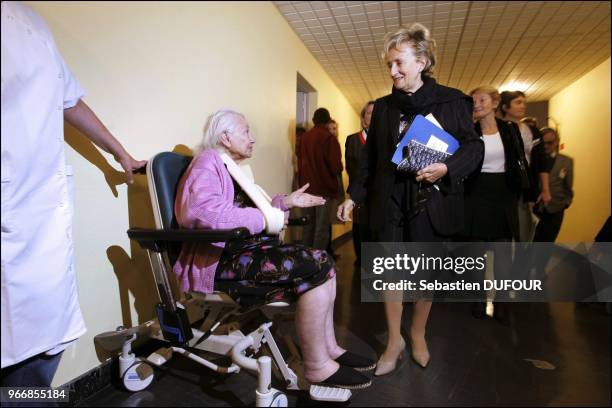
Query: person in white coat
[{"x": 40, "y": 307}]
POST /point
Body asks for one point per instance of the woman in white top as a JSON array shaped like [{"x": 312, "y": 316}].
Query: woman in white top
[{"x": 492, "y": 192}]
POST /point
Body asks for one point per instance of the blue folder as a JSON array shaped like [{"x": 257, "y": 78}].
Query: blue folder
[{"x": 421, "y": 131}]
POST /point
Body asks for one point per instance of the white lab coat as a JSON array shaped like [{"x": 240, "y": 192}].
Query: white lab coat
[{"x": 40, "y": 307}]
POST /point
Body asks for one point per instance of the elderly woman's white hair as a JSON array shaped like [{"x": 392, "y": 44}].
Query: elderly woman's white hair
[{"x": 221, "y": 121}]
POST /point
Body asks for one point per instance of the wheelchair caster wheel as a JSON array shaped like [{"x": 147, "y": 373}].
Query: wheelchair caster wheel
[
  {"x": 138, "y": 376},
  {"x": 274, "y": 398}
]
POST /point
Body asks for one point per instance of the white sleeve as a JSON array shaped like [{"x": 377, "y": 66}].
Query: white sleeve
[{"x": 72, "y": 89}]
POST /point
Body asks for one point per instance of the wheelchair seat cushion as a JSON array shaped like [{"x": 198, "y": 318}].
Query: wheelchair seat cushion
[{"x": 269, "y": 272}]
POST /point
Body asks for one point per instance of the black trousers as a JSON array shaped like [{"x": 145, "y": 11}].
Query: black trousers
[
  {"x": 547, "y": 230},
  {"x": 549, "y": 226}
]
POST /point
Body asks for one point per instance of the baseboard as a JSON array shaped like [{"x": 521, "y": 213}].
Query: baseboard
[{"x": 89, "y": 383}]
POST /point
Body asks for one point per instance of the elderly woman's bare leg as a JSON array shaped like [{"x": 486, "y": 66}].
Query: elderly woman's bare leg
[
  {"x": 333, "y": 348},
  {"x": 310, "y": 321}
]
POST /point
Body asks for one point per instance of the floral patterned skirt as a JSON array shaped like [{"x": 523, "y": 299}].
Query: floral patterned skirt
[{"x": 261, "y": 270}]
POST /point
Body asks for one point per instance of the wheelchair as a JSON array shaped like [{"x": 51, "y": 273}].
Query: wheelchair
[{"x": 198, "y": 321}]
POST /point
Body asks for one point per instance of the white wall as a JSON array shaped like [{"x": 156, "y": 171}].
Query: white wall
[
  {"x": 153, "y": 71},
  {"x": 582, "y": 111}
]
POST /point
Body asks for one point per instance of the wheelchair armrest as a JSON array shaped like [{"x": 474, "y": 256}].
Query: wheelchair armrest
[{"x": 155, "y": 240}]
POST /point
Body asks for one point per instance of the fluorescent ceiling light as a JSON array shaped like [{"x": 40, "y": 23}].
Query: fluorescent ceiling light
[{"x": 514, "y": 86}]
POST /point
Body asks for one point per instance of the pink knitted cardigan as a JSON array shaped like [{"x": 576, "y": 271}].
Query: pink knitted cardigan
[{"x": 205, "y": 199}]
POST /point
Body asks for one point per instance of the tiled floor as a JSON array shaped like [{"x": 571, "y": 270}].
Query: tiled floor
[{"x": 474, "y": 362}]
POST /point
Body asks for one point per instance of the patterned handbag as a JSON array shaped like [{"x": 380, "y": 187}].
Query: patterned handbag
[{"x": 418, "y": 156}]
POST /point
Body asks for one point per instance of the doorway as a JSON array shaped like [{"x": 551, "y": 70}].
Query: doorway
[{"x": 305, "y": 105}]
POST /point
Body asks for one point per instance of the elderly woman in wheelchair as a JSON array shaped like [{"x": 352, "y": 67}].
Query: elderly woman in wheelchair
[{"x": 215, "y": 193}]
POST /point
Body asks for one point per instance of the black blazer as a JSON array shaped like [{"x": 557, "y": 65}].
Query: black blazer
[
  {"x": 353, "y": 152},
  {"x": 538, "y": 164},
  {"x": 514, "y": 150},
  {"x": 374, "y": 184}
]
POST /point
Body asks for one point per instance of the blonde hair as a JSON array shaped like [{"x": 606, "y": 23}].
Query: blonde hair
[
  {"x": 218, "y": 123},
  {"x": 419, "y": 38},
  {"x": 488, "y": 89}
]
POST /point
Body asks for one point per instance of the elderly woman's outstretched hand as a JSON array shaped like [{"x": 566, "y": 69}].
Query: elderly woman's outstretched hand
[{"x": 303, "y": 200}]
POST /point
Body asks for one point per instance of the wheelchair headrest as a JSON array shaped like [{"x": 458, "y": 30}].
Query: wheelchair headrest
[{"x": 164, "y": 172}]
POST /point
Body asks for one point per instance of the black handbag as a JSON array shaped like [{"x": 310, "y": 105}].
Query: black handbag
[{"x": 520, "y": 167}]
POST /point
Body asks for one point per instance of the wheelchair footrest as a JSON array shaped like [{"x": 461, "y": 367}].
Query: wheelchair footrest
[
  {"x": 160, "y": 357},
  {"x": 331, "y": 394}
]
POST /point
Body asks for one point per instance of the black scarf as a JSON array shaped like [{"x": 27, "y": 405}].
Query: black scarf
[{"x": 417, "y": 102}]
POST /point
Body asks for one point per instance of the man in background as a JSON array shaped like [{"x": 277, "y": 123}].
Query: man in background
[
  {"x": 560, "y": 180},
  {"x": 319, "y": 164},
  {"x": 353, "y": 152}
]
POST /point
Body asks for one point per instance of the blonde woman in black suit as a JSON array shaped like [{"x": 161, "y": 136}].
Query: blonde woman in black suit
[
  {"x": 422, "y": 207},
  {"x": 493, "y": 191}
]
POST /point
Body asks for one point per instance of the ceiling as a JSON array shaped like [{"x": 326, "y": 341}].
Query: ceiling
[{"x": 538, "y": 47}]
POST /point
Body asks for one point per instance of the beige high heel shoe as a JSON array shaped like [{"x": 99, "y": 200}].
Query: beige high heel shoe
[
  {"x": 385, "y": 367},
  {"x": 420, "y": 357}
]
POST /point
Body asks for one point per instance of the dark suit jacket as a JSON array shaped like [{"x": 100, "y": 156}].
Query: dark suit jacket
[
  {"x": 374, "y": 184},
  {"x": 353, "y": 154},
  {"x": 538, "y": 164}
]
